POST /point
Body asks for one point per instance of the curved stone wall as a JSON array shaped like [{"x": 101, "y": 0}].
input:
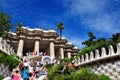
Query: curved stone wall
[
  {"x": 97, "y": 56},
  {"x": 4, "y": 71},
  {"x": 103, "y": 62}
]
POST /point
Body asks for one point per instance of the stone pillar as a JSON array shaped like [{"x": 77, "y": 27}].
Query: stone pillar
[
  {"x": 69, "y": 55},
  {"x": 36, "y": 49},
  {"x": 62, "y": 53},
  {"x": 52, "y": 50},
  {"x": 5, "y": 45},
  {"x": 20, "y": 48},
  {"x": 9, "y": 48},
  {"x": 0, "y": 42}
]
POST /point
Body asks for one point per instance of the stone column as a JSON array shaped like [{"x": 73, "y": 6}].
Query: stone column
[
  {"x": 62, "y": 53},
  {"x": 20, "y": 48},
  {"x": 8, "y": 48},
  {"x": 52, "y": 50},
  {"x": 69, "y": 55},
  {"x": 0, "y": 42},
  {"x": 36, "y": 49},
  {"x": 5, "y": 45}
]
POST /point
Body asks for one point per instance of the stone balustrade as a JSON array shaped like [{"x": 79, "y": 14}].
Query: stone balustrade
[
  {"x": 105, "y": 61},
  {"x": 5, "y": 47},
  {"x": 98, "y": 55}
]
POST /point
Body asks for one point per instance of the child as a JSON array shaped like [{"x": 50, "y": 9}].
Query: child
[{"x": 16, "y": 76}]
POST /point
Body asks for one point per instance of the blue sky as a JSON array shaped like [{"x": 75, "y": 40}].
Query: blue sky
[{"x": 102, "y": 17}]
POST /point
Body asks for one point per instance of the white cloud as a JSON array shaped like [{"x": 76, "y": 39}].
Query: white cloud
[
  {"x": 77, "y": 41},
  {"x": 87, "y": 6},
  {"x": 104, "y": 24},
  {"x": 93, "y": 15}
]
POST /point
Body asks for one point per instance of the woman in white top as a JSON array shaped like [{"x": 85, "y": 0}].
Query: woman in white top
[
  {"x": 31, "y": 73},
  {"x": 43, "y": 73}
]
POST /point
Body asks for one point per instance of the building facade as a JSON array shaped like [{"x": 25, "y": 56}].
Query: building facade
[{"x": 25, "y": 40}]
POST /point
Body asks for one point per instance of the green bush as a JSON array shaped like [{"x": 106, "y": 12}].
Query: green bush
[
  {"x": 11, "y": 61},
  {"x": 81, "y": 74},
  {"x": 1, "y": 57},
  {"x": 103, "y": 77},
  {"x": 53, "y": 71},
  {"x": 1, "y": 77},
  {"x": 95, "y": 46}
]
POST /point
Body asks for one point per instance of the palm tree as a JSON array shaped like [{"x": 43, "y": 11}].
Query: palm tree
[
  {"x": 19, "y": 26},
  {"x": 60, "y": 27}
]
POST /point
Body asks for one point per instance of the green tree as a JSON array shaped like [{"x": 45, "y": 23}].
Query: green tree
[
  {"x": 19, "y": 28},
  {"x": 116, "y": 37},
  {"x": 19, "y": 25},
  {"x": 90, "y": 41},
  {"x": 60, "y": 27},
  {"x": 5, "y": 24}
]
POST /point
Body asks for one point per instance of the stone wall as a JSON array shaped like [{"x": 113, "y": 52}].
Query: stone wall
[
  {"x": 4, "y": 71},
  {"x": 111, "y": 69},
  {"x": 5, "y": 47},
  {"x": 106, "y": 61}
]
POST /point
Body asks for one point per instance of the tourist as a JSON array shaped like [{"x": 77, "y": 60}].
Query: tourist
[
  {"x": 64, "y": 69},
  {"x": 26, "y": 63},
  {"x": 43, "y": 73},
  {"x": 41, "y": 53},
  {"x": 25, "y": 73},
  {"x": 21, "y": 67},
  {"x": 33, "y": 53},
  {"x": 72, "y": 65},
  {"x": 37, "y": 71},
  {"x": 31, "y": 72},
  {"x": 15, "y": 69},
  {"x": 44, "y": 54},
  {"x": 55, "y": 61},
  {"x": 16, "y": 75}
]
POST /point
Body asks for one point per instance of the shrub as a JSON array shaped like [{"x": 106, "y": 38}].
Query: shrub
[
  {"x": 81, "y": 74},
  {"x": 103, "y": 77},
  {"x": 95, "y": 46},
  {"x": 1, "y": 57},
  {"x": 1, "y": 77},
  {"x": 11, "y": 61}
]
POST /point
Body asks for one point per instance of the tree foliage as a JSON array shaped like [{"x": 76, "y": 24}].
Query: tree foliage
[
  {"x": 60, "y": 26},
  {"x": 116, "y": 37},
  {"x": 5, "y": 24},
  {"x": 19, "y": 25},
  {"x": 80, "y": 74},
  {"x": 9, "y": 60},
  {"x": 90, "y": 41},
  {"x": 92, "y": 44}
]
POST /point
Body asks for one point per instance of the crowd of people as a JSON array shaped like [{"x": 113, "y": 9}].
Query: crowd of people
[
  {"x": 35, "y": 53},
  {"x": 29, "y": 69}
]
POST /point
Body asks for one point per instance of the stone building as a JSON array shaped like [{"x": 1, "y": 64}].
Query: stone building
[{"x": 36, "y": 40}]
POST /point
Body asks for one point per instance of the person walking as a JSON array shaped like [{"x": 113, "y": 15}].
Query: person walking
[
  {"x": 25, "y": 73},
  {"x": 16, "y": 75},
  {"x": 43, "y": 73}
]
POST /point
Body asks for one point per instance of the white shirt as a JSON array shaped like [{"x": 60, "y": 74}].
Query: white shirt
[{"x": 26, "y": 64}]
